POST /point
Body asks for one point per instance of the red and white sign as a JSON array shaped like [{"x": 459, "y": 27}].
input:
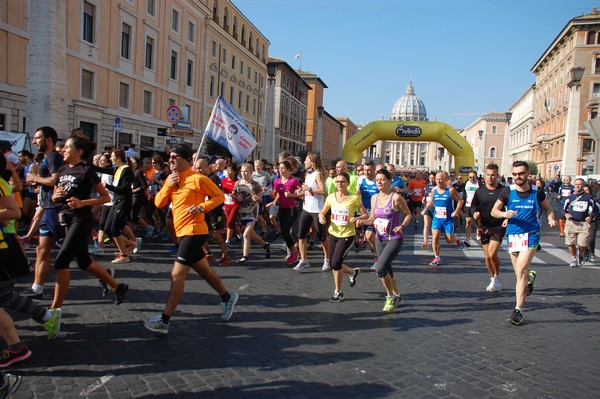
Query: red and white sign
[{"x": 173, "y": 114}]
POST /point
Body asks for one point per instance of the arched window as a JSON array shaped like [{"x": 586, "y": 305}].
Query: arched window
[
  {"x": 243, "y": 35},
  {"x": 225, "y": 25},
  {"x": 235, "y": 36},
  {"x": 492, "y": 152},
  {"x": 591, "y": 37}
]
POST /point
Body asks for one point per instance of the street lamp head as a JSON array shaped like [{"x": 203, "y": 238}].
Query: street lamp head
[
  {"x": 320, "y": 110},
  {"x": 271, "y": 69},
  {"x": 576, "y": 76},
  {"x": 480, "y": 133},
  {"x": 508, "y": 116}
]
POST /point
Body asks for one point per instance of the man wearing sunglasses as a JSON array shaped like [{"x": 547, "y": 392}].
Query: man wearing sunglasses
[{"x": 522, "y": 202}]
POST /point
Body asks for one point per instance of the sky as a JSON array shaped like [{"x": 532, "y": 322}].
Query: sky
[{"x": 465, "y": 58}]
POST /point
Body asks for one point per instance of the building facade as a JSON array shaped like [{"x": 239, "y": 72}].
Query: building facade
[
  {"x": 518, "y": 143},
  {"x": 486, "y": 136},
  {"x": 567, "y": 95},
  {"x": 114, "y": 68}
]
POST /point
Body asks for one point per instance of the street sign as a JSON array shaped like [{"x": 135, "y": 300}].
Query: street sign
[
  {"x": 180, "y": 132},
  {"x": 555, "y": 167},
  {"x": 183, "y": 125},
  {"x": 173, "y": 140},
  {"x": 117, "y": 124},
  {"x": 173, "y": 114}
]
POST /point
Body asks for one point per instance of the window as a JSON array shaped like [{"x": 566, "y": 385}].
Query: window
[
  {"x": 126, "y": 41},
  {"x": 2, "y": 122},
  {"x": 224, "y": 55},
  {"x": 171, "y": 101},
  {"x": 173, "y": 68},
  {"x": 241, "y": 67},
  {"x": 591, "y": 37},
  {"x": 588, "y": 145},
  {"x": 88, "y": 22},
  {"x": 123, "y": 95},
  {"x": 222, "y": 91},
  {"x": 175, "y": 21},
  {"x": 189, "y": 73},
  {"x": 233, "y": 62},
  {"x": 151, "y": 7},
  {"x": 596, "y": 90},
  {"x": 147, "y": 102},
  {"x": 87, "y": 84},
  {"x": 231, "y": 95},
  {"x": 240, "y": 99},
  {"x": 212, "y": 86},
  {"x": 191, "y": 31},
  {"x": 214, "y": 48},
  {"x": 494, "y": 129},
  {"x": 247, "y": 102},
  {"x": 597, "y": 66},
  {"x": 149, "y": 61},
  {"x": 493, "y": 152}
]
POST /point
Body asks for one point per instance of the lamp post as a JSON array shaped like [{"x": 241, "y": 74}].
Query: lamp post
[
  {"x": 570, "y": 149},
  {"x": 270, "y": 140},
  {"x": 480, "y": 152},
  {"x": 319, "y": 138}
]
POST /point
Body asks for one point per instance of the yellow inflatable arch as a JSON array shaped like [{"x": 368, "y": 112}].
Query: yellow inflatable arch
[{"x": 464, "y": 159}]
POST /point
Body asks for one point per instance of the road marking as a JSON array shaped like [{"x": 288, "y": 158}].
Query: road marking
[
  {"x": 557, "y": 252},
  {"x": 103, "y": 380}
]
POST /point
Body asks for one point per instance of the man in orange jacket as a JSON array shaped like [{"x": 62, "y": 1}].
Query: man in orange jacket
[{"x": 191, "y": 194}]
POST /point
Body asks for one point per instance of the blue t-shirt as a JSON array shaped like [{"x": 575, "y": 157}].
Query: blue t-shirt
[
  {"x": 443, "y": 205},
  {"x": 367, "y": 189}
]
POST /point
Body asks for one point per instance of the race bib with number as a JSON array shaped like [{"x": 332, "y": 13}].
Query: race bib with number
[
  {"x": 579, "y": 206},
  {"x": 518, "y": 242},
  {"x": 340, "y": 216},
  {"x": 418, "y": 192},
  {"x": 440, "y": 212},
  {"x": 228, "y": 199},
  {"x": 381, "y": 225}
]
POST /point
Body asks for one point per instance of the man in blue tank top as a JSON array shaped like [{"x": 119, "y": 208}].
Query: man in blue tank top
[{"x": 522, "y": 201}]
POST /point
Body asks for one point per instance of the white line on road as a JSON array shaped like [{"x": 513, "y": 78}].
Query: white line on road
[{"x": 103, "y": 380}]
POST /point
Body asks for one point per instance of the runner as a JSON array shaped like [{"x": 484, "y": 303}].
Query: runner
[
  {"x": 523, "y": 230},
  {"x": 470, "y": 187}
]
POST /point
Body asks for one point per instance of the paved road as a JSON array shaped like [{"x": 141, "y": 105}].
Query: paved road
[{"x": 449, "y": 339}]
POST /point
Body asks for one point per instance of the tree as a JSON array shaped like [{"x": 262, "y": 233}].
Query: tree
[{"x": 533, "y": 168}]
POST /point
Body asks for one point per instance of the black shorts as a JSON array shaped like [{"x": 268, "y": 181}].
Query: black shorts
[
  {"x": 492, "y": 234},
  {"x": 468, "y": 212},
  {"x": 412, "y": 205},
  {"x": 191, "y": 249},
  {"x": 215, "y": 219}
]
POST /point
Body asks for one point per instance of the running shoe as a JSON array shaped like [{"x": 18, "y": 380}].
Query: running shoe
[
  {"x": 354, "y": 276},
  {"x": 303, "y": 264},
  {"x": 592, "y": 257},
  {"x": 573, "y": 263},
  {"x": 52, "y": 326},
  {"x": 97, "y": 251},
  {"x": 435, "y": 262},
  {"x": 8, "y": 356},
  {"x": 460, "y": 244},
  {"x": 267, "y": 249},
  {"x": 32, "y": 294},
  {"x": 174, "y": 250},
  {"x": 120, "y": 293},
  {"x": 229, "y": 306},
  {"x": 391, "y": 303},
  {"x": 138, "y": 245},
  {"x": 156, "y": 325},
  {"x": 225, "y": 261},
  {"x": 530, "y": 280},
  {"x": 10, "y": 384},
  {"x": 498, "y": 283},
  {"x": 561, "y": 234},
  {"x": 466, "y": 243},
  {"x": 491, "y": 285},
  {"x": 243, "y": 261},
  {"x": 374, "y": 265},
  {"x": 516, "y": 317},
  {"x": 293, "y": 258},
  {"x": 105, "y": 287},
  {"x": 338, "y": 296},
  {"x": 326, "y": 266},
  {"x": 121, "y": 259}
]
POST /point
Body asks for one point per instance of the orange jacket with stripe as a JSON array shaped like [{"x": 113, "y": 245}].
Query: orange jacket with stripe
[{"x": 193, "y": 190}]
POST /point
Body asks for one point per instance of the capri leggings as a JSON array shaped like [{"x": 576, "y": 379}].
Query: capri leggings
[
  {"x": 231, "y": 214},
  {"x": 304, "y": 226},
  {"x": 9, "y": 299},
  {"x": 287, "y": 218},
  {"x": 117, "y": 218},
  {"x": 387, "y": 250},
  {"x": 139, "y": 201},
  {"x": 338, "y": 249},
  {"x": 103, "y": 216},
  {"x": 75, "y": 245}
]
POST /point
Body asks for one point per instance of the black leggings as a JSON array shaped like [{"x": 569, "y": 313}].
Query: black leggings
[
  {"x": 139, "y": 201},
  {"x": 287, "y": 218},
  {"x": 338, "y": 249},
  {"x": 75, "y": 245},
  {"x": 304, "y": 226},
  {"x": 9, "y": 299},
  {"x": 117, "y": 218}
]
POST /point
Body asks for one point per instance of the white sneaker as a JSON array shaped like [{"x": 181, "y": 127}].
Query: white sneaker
[
  {"x": 138, "y": 245},
  {"x": 303, "y": 264},
  {"x": 492, "y": 284},
  {"x": 326, "y": 266},
  {"x": 498, "y": 283}
]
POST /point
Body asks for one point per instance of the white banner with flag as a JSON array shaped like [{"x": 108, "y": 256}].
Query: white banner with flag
[{"x": 228, "y": 129}]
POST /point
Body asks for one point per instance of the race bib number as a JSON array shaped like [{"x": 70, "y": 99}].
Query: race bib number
[
  {"x": 381, "y": 225},
  {"x": 579, "y": 206},
  {"x": 340, "y": 216},
  {"x": 308, "y": 193},
  {"x": 518, "y": 242},
  {"x": 228, "y": 199},
  {"x": 469, "y": 200},
  {"x": 418, "y": 192},
  {"x": 565, "y": 193},
  {"x": 440, "y": 212}
]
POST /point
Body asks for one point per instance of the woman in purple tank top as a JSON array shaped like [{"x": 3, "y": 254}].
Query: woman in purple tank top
[{"x": 385, "y": 217}]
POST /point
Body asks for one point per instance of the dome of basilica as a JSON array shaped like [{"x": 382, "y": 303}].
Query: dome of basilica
[{"x": 409, "y": 107}]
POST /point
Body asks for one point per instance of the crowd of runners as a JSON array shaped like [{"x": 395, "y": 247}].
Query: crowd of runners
[{"x": 77, "y": 200}]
